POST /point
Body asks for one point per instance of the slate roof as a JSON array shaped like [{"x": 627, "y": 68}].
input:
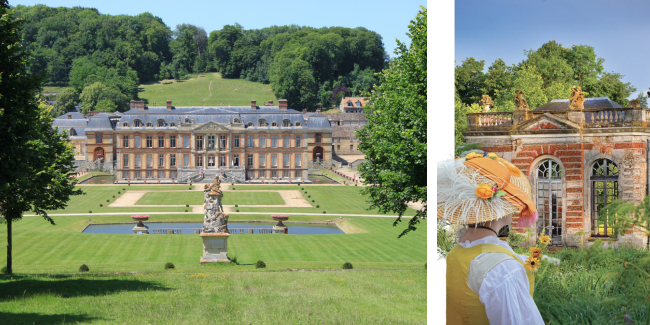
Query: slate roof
[
  {"x": 74, "y": 115},
  {"x": 101, "y": 122},
  {"x": 344, "y": 131},
  {"x": 311, "y": 121},
  {"x": 563, "y": 104}
]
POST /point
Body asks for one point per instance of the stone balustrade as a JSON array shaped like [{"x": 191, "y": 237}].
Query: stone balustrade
[{"x": 608, "y": 117}]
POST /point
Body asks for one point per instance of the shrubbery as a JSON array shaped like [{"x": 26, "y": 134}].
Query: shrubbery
[
  {"x": 3, "y": 270},
  {"x": 169, "y": 265},
  {"x": 347, "y": 266},
  {"x": 260, "y": 264},
  {"x": 84, "y": 268}
]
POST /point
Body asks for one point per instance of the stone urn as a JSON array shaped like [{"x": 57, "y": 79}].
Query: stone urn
[
  {"x": 140, "y": 228},
  {"x": 280, "y": 226}
]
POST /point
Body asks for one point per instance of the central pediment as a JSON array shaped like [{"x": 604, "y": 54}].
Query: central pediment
[
  {"x": 211, "y": 126},
  {"x": 546, "y": 122}
]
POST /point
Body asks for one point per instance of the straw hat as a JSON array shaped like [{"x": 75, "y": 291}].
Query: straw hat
[{"x": 482, "y": 187}]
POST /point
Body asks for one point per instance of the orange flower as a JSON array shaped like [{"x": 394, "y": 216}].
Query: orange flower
[
  {"x": 536, "y": 252},
  {"x": 532, "y": 263},
  {"x": 545, "y": 240},
  {"x": 484, "y": 191}
]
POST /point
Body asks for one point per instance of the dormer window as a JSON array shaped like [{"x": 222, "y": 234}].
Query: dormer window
[
  {"x": 274, "y": 124},
  {"x": 125, "y": 125},
  {"x": 187, "y": 121},
  {"x": 72, "y": 131},
  {"x": 149, "y": 125},
  {"x": 358, "y": 103},
  {"x": 250, "y": 124},
  {"x": 349, "y": 103},
  {"x": 161, "y": 123},
  {"x": 298, "y": 124},
  {"x": 235, "y": 120},
  {"x": 172, "y": 124},
  {"x": 286, "y": 123},
  {"x": 137, "y": 123},
  {"x": 262, "y": 122}
]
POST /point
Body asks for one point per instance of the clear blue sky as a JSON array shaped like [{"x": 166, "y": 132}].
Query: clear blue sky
[
  {"x": 618, "y": 31},
  {"x": 387, "y": 18}
]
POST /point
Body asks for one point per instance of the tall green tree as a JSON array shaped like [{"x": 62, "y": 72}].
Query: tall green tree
[
  {"x": 36, "y": 159},
  {"x": 66, "y": 100},
  {"x": 469, "y": 80},
  {"x": 293, "y": 80},
  {"x": 395, "y": 138}
]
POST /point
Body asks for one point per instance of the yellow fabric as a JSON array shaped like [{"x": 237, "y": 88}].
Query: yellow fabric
[{"x": 463, "y": 305}]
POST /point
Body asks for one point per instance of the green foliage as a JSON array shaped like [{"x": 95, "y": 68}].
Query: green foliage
[
  {"x": 36, "y": 158},
  {"x": 99, "y": 95},
  {"x": 84, "y": 268},
  {"x": 66, "y": 100},
  {"x": 169, "y": 265},
  {"x": 395, "y": 138},
  {"x": 446, "y": 239},
  {"x": 515, "y": 239},
  {"x": 292, "y": 79},
  {"x": 460, "y": 119},
  {"x": 3, "y": 270},
  {"x": 260, "y": 264},
  {"x": 547, "y": 73},
  {"x": 347, "y": 266}
]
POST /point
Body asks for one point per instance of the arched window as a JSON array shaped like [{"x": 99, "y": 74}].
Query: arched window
[
  {"x": 286, "y": 123},
  {"x": 250, "y": 124},
  {"x": 125, "y": 125},
  {"x": 549, "y": 196},
  {"x": 187, "y": 121},
  {"x": 161, "y": 123},
  {"x": 137, "y": 123},
  {"x": 149, "y": 125},
  {"x": 298, "y": 124},
  {"x": 262, "y": 122},
  {"x": 236, "y": 120},
  {"x": 172, "y": 124},
  {"x": 349, "y": 103},
  {"x": 604, "y": 190},
  {"x": 274, "y": 124}
]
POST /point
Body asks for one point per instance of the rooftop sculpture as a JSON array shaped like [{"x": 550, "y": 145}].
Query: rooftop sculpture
[
  {"x": 520, "y": 100},
  {"x": 577, "y": 99},
  {"x": 486, "y": 102}
]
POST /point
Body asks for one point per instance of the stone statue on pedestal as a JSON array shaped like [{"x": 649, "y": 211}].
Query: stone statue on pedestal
[{"x": 215, "y": 225}]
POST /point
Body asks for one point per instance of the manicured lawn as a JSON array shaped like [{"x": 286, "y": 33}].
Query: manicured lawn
[
  {"x": 388, "y": 272},
  {"x": 218, "y": 295},
  {"x": 96, "y": 195},
  {"x": 208, "y": 90},
  {"x": 42, "y": 248},
  {"x": 196, "y": 198},
  {"x": 332, "y": 199}
]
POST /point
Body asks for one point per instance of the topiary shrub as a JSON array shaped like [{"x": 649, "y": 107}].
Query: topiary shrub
[
  {"x": 260, "y": 264},
  {"x": 324, "y": 212},
  {"x": 90, "y": 211},
  {"x": 185, "y": 210},
  {"x": 425, "y": 266},
  {"x": 233, "y": 184},
  {"x": 302, "y": 188},
  {"x": 187, "y": 205},
  {"x": 237, "y": 210},
  {"x": 125, "y": 189},
  {"x": 236, "y": 206},
  {"x": 84, "y": 268},
  {"x": 108, "y": 200},
  {"x": 355, "y": 184},
  {"x": 118, "y": 192},
  {"x": 347, "y": 266},
  {"x": 317, "y": 206},
  {"x": 101, "y": 205},
  {"x": 189, "y": 188},
  {"x": 309, "y": 196},
  {"x": 233, "y": 188},
  {"x": 169, "y": 265},
  {"x": 313, "y": 201},
  {"x": 113, "y": 196}
]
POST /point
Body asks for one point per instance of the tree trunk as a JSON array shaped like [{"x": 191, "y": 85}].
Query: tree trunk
[{"x": 9, "y": 267}]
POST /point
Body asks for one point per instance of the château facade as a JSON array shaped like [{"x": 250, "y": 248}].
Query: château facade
[
  {"x": 579, "y": 154},
  {"x": 264, "y": 142}
]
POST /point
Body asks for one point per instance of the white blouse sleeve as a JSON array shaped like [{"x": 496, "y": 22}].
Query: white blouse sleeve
[{"x": 506, "y": 296}]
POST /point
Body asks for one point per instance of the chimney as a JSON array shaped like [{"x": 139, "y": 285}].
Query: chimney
[
  {"x": 270, "y": 103},
  {"x": 304, "y": 111},
  {"x": 253, "y": 104},
  {"x": 139, "y": 104},
  {"x": 318, "y": 110},
  {"x": 283, "y": 103},
  {"x": 69, "y": 116},
  {"x": 169, "y": 104},
  {"x": 132, "y": 104}
]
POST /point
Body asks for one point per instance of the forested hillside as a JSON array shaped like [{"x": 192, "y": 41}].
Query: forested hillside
[{"x": 103, "y": 58}]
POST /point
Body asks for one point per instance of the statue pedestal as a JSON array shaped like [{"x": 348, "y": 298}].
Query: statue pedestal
[
  {"x": 215, "y": 248},
  {"x": 281, "y": 229},
  {"x": 144, "y": 230}
]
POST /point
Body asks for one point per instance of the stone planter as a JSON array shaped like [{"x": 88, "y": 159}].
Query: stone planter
[
  {"x": 140, "y": 228},
  {"x": 280, "y": 226}
]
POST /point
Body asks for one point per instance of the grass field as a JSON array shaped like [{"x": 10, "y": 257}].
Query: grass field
[
  {"x": 96, "y": 195},
  {"x": 196, "y": 198},
  {"x": 209, "y": 89}
]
